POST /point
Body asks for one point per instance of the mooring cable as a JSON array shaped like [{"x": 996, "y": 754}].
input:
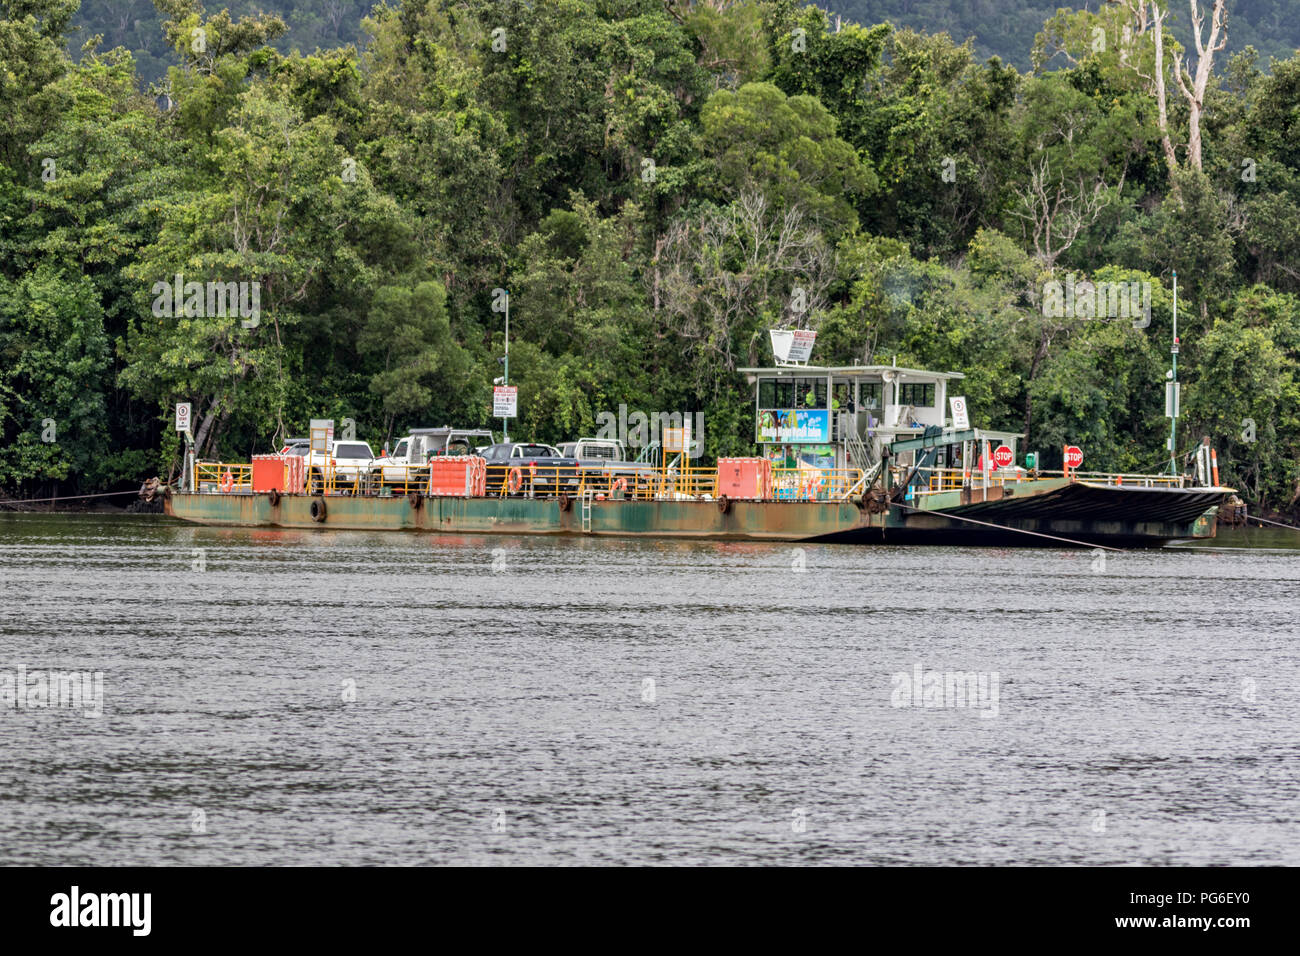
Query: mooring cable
[
  {"x": 37, "y": 501},
  {"x": 1251, "y": 517}
]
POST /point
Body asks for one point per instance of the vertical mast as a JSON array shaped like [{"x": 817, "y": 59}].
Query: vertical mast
[
  {"x": 1173, "y": 402},
  {"x": 505, "y": 376}
]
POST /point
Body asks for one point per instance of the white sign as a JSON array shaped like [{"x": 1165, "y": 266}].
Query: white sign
[
  {"x": 1171, "y": 399},
  {"x": 792, "y": 345},
  {"x": 183, "y": 416},
  {"x": 505, "y": 401},
  {"x": 960, "y": 416},
  {"x": 325, "y": 425}
]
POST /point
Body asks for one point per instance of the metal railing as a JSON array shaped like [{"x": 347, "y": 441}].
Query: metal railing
[
  {"x": 672, "y": 483},
  {"x": 814, "y": 484},
  {"x": 223, "y": 478},
  {"x": 954, "y": 479}
]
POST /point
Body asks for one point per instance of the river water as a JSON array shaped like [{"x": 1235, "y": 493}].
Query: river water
[{"x": 279, "y": 697}]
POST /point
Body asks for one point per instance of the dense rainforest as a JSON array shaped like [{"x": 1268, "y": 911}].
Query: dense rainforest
[{"x": 656, "y": 183}]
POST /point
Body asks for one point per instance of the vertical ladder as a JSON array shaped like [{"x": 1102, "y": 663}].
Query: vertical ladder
[
  {"x": 860, "y": 456},
  {"x": 586, "y": 512}
]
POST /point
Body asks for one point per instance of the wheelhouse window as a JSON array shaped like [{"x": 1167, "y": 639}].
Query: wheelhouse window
[
  {"x": 916, "y": 394},
  {"x": 869, "y": 395},
  {"x": 775, "y": 393},
  {"x": 809, "y": 393}
]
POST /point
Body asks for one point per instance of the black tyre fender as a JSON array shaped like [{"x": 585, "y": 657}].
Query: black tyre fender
[
  {"x": 565, "y": 502},
  {"x": 724, "y": 504},
  {"x": 415, "y": 499},
  {"x": 273, "y": 496},
  {"x": 318, "y": 510}
]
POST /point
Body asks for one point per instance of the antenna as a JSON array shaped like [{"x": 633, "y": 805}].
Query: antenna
[{"x": 1171, "y": 401}]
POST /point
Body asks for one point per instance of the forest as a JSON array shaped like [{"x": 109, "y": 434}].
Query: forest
[{"x": 657, "y": 183}]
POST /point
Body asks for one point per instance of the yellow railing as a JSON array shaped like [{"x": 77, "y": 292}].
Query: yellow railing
[
  {"x": 224, "y": 478},
  {"x": 953, "y": 479},
  {"x": 678, "y": 483},
  {"x": 682, "y": 484},
  {"x": 398, "y": 479},
  {"x": 810, "y": 484}
]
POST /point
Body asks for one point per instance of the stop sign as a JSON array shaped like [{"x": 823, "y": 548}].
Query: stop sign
[
  {"x": 1003, "y": 457},
  {"x": 1073, "y": 456}
]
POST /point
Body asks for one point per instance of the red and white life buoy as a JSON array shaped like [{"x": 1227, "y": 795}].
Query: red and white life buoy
[
  {"x": 620, "y": 485},
  {"x": 515, "y": 479},
  {"x": 227, "y": 481}
]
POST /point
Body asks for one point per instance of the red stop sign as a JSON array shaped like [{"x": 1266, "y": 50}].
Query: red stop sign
[
  {"x": 1073, "y": 456},
  {"x": 1003, "y": 457}
]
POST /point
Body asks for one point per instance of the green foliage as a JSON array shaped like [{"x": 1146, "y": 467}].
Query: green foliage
[{"x": 656, "y": 184}]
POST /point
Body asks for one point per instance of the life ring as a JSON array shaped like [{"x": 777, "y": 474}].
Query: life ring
[
  {"x": 620, "y": 484},
  {"x": 724, "y": 504},
  {"x": 273, "y": 496},
  {"x": 318, "y": 510},
  {"x": 227, "y": 482},
  {"x": 565, "y": 502},
  {"x": 515, "y": 479},
  {"x": 415, "y": 500}
]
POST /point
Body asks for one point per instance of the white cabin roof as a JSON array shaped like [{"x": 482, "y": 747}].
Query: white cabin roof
[{"x": 845, "y": 371}]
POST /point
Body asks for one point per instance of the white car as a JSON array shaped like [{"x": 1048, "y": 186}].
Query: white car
[
  {"x": 414, "y": 451},
  {"x": 348, "y": 461}
]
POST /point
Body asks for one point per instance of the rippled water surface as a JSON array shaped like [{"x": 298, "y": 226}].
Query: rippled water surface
[{"x": 567, "y": 700}]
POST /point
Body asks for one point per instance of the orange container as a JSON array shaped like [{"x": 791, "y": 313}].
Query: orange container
[
  {"x": 268, "y": 473},
  {"x": 460, "y": 476},
  {"x": 745, "y": 477}
]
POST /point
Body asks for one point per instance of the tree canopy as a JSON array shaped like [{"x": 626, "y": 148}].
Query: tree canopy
[{"x": 656, "y": 183}]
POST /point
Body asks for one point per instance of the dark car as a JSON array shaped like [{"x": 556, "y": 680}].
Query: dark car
[{"x": 541, "y": 470}]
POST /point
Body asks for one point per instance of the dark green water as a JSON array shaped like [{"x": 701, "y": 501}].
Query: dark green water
[{"x": 384, "y": 698}]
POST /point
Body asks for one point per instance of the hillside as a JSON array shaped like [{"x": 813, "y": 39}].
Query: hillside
[{"x": 1003, "y": 28}]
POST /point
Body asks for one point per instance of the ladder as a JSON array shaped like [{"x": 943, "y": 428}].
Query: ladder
[
  {"x": 585, "y": 511},
  {"x": 861, "y": 457}
]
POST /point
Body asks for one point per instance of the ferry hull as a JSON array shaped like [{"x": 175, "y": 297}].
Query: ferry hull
[
  {"x": 754, "y": 520},
  {"x": 1079, "y": 513}
]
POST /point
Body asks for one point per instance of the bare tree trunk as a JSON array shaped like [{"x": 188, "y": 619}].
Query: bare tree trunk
[
  {"x": 1155, "y": 22},
  {"x": 1195, "y": 93},
  {"x": 208, "y": 418},
  {"x": 1162, "y": 98}
]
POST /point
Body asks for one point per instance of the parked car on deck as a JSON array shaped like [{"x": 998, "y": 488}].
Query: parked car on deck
[
  {"x": 412, "y": 453},
  {"x": 348, "y": 461},
  {"x": 608, "y": 457},
  {"x": 542, "y": 470}
]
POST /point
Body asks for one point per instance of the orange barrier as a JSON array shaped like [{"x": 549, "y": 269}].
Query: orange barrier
[
  {"x": 458, "y": 476},
  {"x": 744, "y": 478},
  {"x": 275, "y": 473},
  {"x": 268, "y": 473}
]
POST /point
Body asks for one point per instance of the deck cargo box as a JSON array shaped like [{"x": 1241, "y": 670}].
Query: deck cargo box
[
  {"x": 461, "y": 476},
  {"x": 745, "y": 477},
  {"x": 268, "y": 473}
]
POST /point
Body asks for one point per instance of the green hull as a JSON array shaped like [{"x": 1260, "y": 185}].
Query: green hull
[
  {"x": 757, "y": 520},
  {"x": 1049, "y": 510}
]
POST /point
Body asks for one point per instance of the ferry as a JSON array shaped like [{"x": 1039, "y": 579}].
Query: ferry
[{"x": 861, "y": 454}]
